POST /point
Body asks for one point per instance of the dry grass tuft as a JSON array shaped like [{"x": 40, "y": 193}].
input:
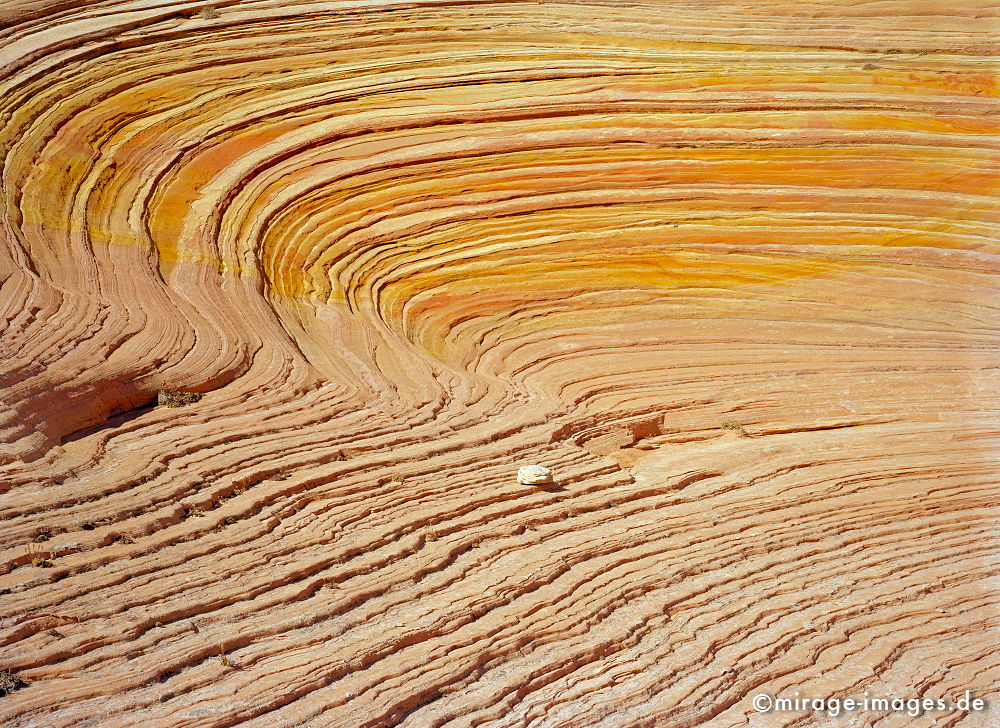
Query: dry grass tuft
[
  {"x": 176, "y": 398},
  {"x": 9, "y": 682},
  {"x": 37, "y": 558},
  {"x": 735, "y": 427}
]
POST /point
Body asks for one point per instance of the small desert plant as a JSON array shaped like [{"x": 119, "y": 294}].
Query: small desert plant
[
  {"x": 192, "y": 511},
  {"x": 225, "y": 661},
  {"x": 9, "y": 682},
  {"x": 176, "y": 398},
  {"x": 735, "y": 427},
  {"x": 38, "y": 558},
  {"x": 208, "y": 12},
  {"x": 397, "y": 478}
]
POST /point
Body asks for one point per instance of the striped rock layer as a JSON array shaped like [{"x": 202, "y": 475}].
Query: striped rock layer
[{"x": 730, "y": 270}]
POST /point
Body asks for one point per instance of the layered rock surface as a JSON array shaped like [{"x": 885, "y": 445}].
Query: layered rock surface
[{"x": 729, "y": 270}]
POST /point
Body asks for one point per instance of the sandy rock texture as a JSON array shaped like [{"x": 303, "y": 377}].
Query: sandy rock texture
[{"x": 730, "y": 270}]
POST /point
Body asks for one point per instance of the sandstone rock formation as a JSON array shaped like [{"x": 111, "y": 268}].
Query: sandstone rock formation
[{"x": 402, "y": 248}]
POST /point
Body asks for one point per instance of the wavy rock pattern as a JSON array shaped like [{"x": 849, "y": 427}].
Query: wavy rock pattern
[{"x": 730, "y": 270}]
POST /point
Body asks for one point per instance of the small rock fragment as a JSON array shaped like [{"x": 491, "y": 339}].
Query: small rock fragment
[{"x": 533, "y": 475}]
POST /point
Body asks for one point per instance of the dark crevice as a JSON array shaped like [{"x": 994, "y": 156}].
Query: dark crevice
[{"x": 117, "y": 418}]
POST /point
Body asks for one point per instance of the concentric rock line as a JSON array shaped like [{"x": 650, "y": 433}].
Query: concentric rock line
[{"x": 730, "y": 271}]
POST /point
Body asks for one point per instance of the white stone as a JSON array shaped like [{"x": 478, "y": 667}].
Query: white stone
[{"x": 533, "y": 475}]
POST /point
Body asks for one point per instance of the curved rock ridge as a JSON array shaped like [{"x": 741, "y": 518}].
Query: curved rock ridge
[{"x": 729, "y": 270}]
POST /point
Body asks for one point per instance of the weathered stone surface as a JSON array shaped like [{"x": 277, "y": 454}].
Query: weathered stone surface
[{"x": 403, "y": 249}]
